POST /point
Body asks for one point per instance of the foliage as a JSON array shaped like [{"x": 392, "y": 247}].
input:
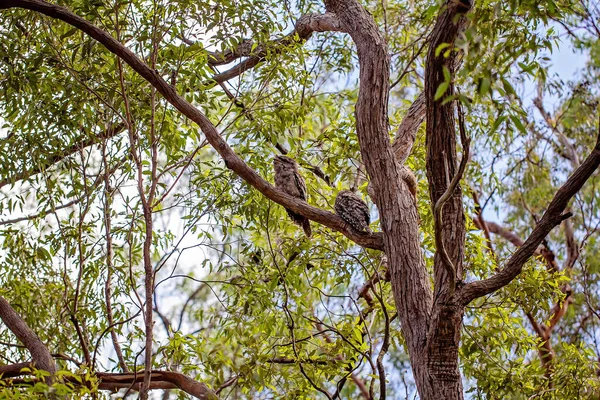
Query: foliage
[{"x": 240, "y": 295}]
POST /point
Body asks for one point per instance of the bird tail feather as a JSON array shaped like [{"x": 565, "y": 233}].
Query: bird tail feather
[{"x": 306, "y": 227}]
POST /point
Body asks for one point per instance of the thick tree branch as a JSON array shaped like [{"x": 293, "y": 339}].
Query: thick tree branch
[
  {"x": 407, "y": 131},
  {"x": 39, "y": 352},
  {"x": 159, "y": 380},
  {"x": 441, "y": 138},
  {"x": 439, "y": 205},
  {"x": 232, "y": 160},
  {"x": 551, "y": 218},
  {"x": 443, "y": 173}
]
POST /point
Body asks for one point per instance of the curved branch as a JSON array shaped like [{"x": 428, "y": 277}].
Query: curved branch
[
  {"x": 159, "y": 380},
  {"x": 551, "y": 218},
  {"x": 407, "y": 131},
  {"x": 39, "y": 352},
  {"x": 398, "y": 215},
  {"x": 439, "y": 205},
  {"x": 232, "y": 160}
]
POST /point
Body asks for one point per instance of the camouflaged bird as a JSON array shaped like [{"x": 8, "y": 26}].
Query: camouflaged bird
[
  {"x": 289, "y": 180},
  {"x": 352, "y": 209}
]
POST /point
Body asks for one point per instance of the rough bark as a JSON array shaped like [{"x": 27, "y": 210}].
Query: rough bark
[
  {"x": 410, "y": 284},
  {"x": 441, "y": 142},
  {"x": 443, "y": 338}
]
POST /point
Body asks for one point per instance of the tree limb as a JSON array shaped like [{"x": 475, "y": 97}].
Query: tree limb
[
  {"x": 305, "y": 26},
  {"x": 232, "y": 160},
  {"x": 115, "y": 381},
  {"x": 551, "y": 218},
  {"x": 159, "y": 380},
  {"x": 439, "y": 205},
  {"x": 398, "y": 215},
  {"x": 440, "y": 140},
  {"x": 407, "y": 131},
  {"x": 40, "y": 354}
]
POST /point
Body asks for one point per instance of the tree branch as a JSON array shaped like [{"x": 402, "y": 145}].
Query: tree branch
[
  {"x": 441, "y": 159},
  {"x": 232, "y": 160},
  {"x": 40, "y": 354},
  {"x": 443, "y": 173},
  {"x": 551, "y": 218},
  {"x": 305, "y": 26},
  {"x": 439, "y": 205},
  {"x": 398, "y": 215},
  {"x": 407, "y": 131},
  {"x": 114, "y": 382}
]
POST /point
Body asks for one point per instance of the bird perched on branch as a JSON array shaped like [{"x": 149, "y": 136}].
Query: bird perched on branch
[
  {"x": 352, "y": 209},
  {"x": 289, "y": 180}
]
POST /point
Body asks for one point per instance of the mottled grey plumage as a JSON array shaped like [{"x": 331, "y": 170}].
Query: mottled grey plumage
[
  {"x": 353, "y": 210},
  {"x": 289, "y": 180}
]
